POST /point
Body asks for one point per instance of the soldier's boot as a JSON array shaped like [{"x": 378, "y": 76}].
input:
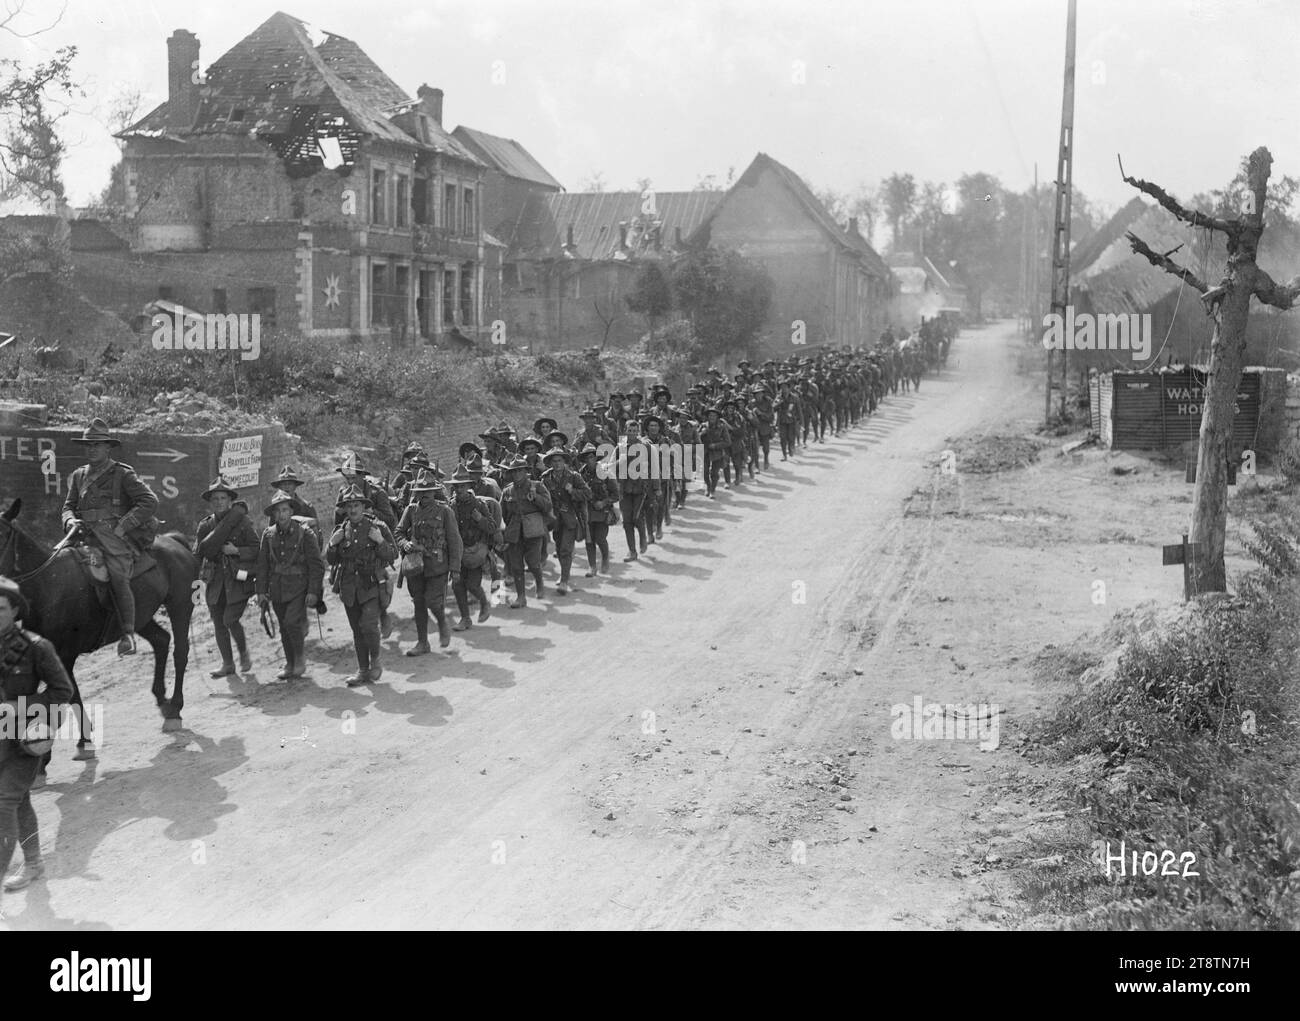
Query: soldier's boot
[
  {"x": 421, "y": 646},
  {"x": 124, "y": 600},
  {"x": 362, "y": 650},
  {"x": 591, "y": 562},
  {"x": 539, "y": 582},
  {"x": 299, "y": 655},
  {"x": 241, "y": 643},
  {"x": 484, "y": 607},
  {"x": 222, "y": 635},
  {"x": 464, "y": 624},
  {"x": 520, "y": 600},
  {"x": 563, "y": 587},
  {"x": 604, "y": 560},
  {"x": 385, "y": 624},
  {"x": 444, "y": 630}
]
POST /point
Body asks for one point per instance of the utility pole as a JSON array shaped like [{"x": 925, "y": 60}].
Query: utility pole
[{"x": 1061, "y": 226}]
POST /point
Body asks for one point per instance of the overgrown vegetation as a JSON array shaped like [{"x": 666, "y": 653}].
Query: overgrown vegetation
[{"x": 1188, "y": 746}]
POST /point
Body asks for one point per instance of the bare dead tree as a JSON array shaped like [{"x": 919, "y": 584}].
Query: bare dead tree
[
  {"x": 608, "y": 316},
  {"x": 1228, "y": 302}
]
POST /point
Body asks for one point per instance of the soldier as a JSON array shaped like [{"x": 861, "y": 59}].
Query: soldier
[
  {"x": 498, "y": 443},
  {"x": 530, "y": 450},
  {"x": 554, "y": 440},
  {"x": 543, "y": 427},
  {"x": 487, "y": 487},
  {"x": 380, "y": 509},
  {"x": 657, "y": 511},
  {"x": 419, "y": 464},
  {"x": 688, "y": 434},
  {"x": 750, "y": 422},
  {"x": 602, "y": 510},
  {"x": 616, "y": 419},
  {"x": 290, "y": 578},
  {"x": 362, "y": 548},
  {"x": 355, "y": 477},
  {"x": 288, "y": 482},
  {"x": 716, "y": 438},
  {"x": 114, "y": 507},
  {"x": 525, "y": 505},
  {"x": 593, "y": 431},
  {"x": 569, "y": 496},
  {"x": 478, "y": 519},
  {"x": 227, "y": 542},
  {"x": 735, "y": 420},
  {"x": 407, "y": 473},
  {"x": 633, "y": 495},
  {"x": 428, "y": 527},
  {"x": 27, "y": 663},
  {"x": 765, "y": 414}
]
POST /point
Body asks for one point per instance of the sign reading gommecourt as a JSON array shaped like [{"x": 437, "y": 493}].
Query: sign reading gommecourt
[
  {"x": 1084, "y": 331},
  {"x": 211, "y": 332}
]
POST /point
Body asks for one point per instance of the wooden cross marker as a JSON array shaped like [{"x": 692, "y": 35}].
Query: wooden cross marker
[{"x": 1183, "y": 553}]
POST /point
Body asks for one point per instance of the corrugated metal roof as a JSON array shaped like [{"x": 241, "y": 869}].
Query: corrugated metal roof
[
  {"x": 1086, "y": 252},
  {"x": 506, "y": 155},
  {"x": 596, "y": 218}
]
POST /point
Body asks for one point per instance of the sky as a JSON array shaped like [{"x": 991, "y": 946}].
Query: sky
[{"x": 844, "y": 93}]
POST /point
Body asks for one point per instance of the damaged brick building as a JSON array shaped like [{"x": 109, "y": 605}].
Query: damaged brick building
[{"x": 298, "y": 181}]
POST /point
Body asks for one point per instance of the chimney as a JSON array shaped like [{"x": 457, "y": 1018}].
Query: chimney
[
  {"x": 568, "y": 238},
  {"x": 622, "y": 235},
  {"x": 853, "y": 224},
  {"x": 431, "y": 102},
  {"x": 182, "y": 66}
]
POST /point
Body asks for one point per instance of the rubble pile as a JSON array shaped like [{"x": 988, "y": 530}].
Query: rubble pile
[{"x": 193, "y": 413}]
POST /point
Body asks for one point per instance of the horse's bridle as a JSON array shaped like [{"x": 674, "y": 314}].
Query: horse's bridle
[{"x": 12, "y": 540}]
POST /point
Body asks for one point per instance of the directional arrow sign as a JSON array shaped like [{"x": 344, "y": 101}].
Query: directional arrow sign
[{"x": 170, "y": 453}]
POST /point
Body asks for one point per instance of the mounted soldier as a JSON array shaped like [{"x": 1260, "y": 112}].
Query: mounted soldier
[
  {"x": 227, "y": 543},
  {"x": 290, "y": 578},
  {"x": 112, "y": 505}
]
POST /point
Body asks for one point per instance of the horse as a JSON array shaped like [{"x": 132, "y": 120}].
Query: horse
[{"x": 65, "y": 609}]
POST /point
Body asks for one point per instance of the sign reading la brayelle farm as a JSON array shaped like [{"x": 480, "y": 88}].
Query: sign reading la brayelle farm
[{"x": 241, "y": 461}]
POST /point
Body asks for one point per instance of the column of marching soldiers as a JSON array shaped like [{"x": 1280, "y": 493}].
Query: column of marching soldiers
[{"x": 512, "y": 501}]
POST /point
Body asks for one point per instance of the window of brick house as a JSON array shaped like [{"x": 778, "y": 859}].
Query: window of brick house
[
  {"x": 449, "y": 296},
  {"x": 449, "y": 209},
  {"x": 420, "y": 199},
  {"x": 402, "y": 202},
  {"x": 467, "y": 294},
  {"x": 378, "y": 197},
  {"x": 380, "y": 295},
  {"x": 467, "y": 220},
  {"x": 261, "y": 302},
  {"x": 401, "y": 294}
]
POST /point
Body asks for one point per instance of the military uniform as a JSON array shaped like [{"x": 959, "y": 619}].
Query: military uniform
[
  {"x": 27, "y": 662},
  {"x": 601, "y": 511},
  {"x": 116, "y": 508},
  {"x": 525, "y": 505},
  {"x": 428, "y": 527},
  {"x": 227, "y": 594},
  {"x": 290, "y": 568},
  {"x": 478, "y": 520},
  {"x": 363, "y": 562},
  {"x": 569, "y": 496}
]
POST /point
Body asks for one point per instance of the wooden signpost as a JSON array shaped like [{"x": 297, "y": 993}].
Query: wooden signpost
[{"x": 1183, "y": 553}]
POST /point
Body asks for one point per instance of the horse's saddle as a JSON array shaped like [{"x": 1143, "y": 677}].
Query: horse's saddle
[{"x": 91, "y": 559}]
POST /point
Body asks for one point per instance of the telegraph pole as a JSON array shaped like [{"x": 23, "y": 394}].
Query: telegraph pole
[{"x": 1061, "y": 226}]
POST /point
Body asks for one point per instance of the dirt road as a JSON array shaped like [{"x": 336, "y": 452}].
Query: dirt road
[{"x": 687, "y": 744}]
